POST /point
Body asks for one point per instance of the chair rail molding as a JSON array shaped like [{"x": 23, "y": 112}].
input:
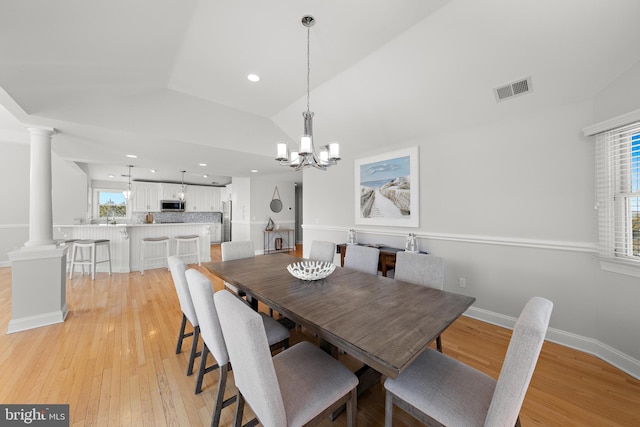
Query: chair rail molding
[{"x": 467, "y": 238}]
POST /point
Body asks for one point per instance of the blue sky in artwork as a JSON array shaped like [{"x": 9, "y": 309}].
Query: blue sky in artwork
[{"x": 385, "y": 169}]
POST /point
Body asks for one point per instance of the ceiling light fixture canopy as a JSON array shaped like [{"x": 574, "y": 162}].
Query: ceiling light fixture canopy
[
  {"x": 128, "y": 193},
  {"x": 183, "y": 189},
  {"x": 306, "y": 155}
]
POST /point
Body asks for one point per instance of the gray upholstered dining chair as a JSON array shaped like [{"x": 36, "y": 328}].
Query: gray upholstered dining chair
[
  {"x": 421, "y": 269},
  {"x": 239, "y": 249},
  {"x": 178, "y": 268},
  {"x": 297, "y": 386},
  {"x": 441, "y": 391},
  {"x": 322, "y": 251},
  {"x": 202, "y": 292},
  {"x": 362, "y": 258}
]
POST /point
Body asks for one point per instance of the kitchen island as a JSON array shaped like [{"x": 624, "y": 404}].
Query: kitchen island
[{"x": 125, "y": 241}]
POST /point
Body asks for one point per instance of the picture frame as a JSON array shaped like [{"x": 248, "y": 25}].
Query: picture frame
[{"x": 387, "y": 189}]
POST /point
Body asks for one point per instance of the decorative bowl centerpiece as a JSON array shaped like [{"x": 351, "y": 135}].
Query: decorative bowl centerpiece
[{"x": 311, "y": 270}]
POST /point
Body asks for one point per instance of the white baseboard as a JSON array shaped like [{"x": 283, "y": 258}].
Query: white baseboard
[
  {"x": 578, "y": 342},
  {"x": 32, "y": 322}
]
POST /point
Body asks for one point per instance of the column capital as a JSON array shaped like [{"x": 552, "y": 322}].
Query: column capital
[{"x": 41, "y": 130}]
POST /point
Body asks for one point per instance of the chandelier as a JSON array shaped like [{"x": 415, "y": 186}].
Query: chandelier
[
  {"x": 128, "y": 193},
  {"x": 306, "y": 155}
]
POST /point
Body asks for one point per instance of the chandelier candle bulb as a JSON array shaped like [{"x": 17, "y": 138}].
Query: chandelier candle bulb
[
  {"x": 295, "y": 158},
  {"x": 282, "y": 152},
  {"x": 334, "y": 151},
  {"x": 305, "y": 145},
  {"x": 324, "y": 155}
]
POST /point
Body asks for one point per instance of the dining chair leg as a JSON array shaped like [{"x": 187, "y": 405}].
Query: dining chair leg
[
  {"x": 194, "y": 350},
  {"x": 220, "y": 402},
  {"x": 202, "y": 369},
  {"x": 181, "y": 335},
  {"x": 237, "y": 420},
  {"x": 439, "y": 344},
  {"x": 388, "y": 410}
]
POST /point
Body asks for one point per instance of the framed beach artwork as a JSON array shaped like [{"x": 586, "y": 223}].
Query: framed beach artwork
[{"x": 387, "y": 189}]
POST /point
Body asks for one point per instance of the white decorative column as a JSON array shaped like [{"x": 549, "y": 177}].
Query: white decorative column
[
  {"x": 40, "y": 203},
  {"x": 38, "y": 269}
]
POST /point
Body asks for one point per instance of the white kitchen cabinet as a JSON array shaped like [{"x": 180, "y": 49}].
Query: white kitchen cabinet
[
  {"x": 146, "y": 197},
  {"x": 203, "y": 199},
  {"x": 171, "y": 191}
]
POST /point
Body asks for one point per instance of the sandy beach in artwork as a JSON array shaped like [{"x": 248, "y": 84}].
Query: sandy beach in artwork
[{"x": 392, "y": 200}]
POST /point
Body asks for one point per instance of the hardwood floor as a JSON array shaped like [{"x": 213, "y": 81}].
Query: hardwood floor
[{"x": 113, "y": 361}]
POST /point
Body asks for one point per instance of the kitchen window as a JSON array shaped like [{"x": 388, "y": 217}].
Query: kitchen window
[
  {"x": 111, "y": 204},
  {"x": 618, "y": 198}
]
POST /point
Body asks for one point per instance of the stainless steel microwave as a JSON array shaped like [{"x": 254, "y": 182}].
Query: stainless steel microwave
[{"x": 172, "y": 205}]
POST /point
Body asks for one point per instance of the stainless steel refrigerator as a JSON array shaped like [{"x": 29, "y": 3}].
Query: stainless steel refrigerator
[{"x": 226, "y": 221}]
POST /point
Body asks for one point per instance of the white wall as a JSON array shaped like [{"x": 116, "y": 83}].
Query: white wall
[
  {"x": 262, "y": 192},
  {"x": 14, "y": 175},
  {"x": 509, "y": 205}
]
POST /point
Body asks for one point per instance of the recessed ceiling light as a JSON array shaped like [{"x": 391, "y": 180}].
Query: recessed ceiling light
[
  {"x": 253, "y": 77},
  {"x": 153, "y": 171},
  {"x": 132, "y": 156},
  {"x": 111, "y": 175},
  {"x": 205, "y": 176},
  {"x": 202, "y": 164},
  {"x": 254, "y": 170}
]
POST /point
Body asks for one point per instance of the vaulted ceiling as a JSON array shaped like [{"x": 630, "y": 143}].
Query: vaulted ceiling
[{"x": 166, "y": 79}]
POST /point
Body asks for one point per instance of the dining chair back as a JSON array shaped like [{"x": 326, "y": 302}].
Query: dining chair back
[
  {"x": 362, "y": 258},
  {"x": 178, "y": 268},
  {"x": 296, "y": 386},
  {"x": 322, "y": 251},
  {"x": 233, "y": 250},
  {"x": 238, "y": 249},
  {"x": 421, "y": 269},
  {"x": 202, "y": 295},
  {"x": 440, "y": 390}
]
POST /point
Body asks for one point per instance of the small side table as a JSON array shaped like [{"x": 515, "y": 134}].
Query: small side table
[{"x": 288, "y": 240}]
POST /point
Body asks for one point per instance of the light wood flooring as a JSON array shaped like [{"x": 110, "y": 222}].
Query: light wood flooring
[{"x": 113, "y": 361}]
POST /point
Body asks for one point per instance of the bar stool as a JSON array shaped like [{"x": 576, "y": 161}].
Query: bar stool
[
  {"x": 68, "y": 244},
  {"x": 195, "y": 239},
  {"x": 78, "y": 258},
  {"x": 152, "y": 241}
]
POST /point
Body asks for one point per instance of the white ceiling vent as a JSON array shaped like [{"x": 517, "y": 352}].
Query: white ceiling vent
[{"x": 510, "y": 90}]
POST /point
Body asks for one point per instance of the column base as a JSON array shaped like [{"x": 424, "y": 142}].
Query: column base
[{"x": 38, "y": 287}]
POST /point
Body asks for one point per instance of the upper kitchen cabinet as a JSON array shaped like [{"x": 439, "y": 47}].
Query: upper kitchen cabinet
[
  {"x": 146, "y": 197},
  {"x": 203, "y": 199},
  {"x": 171, "y": 191}
]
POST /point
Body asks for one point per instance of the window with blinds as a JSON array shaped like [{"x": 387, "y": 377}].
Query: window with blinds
[{"x": 618, "y": 193}]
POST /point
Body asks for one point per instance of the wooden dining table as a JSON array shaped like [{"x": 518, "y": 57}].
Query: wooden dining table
[{"x": 382, "y": 322}]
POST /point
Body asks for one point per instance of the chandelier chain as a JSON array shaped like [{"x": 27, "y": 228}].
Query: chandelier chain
[{"x": 308, "y": 64}]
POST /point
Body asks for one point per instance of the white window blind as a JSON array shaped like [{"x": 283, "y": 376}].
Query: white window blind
[{"x": 618, "y": 193}]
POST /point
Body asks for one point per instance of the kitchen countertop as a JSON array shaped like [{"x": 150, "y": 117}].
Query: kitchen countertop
[{"x": 137, "y": 225}]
